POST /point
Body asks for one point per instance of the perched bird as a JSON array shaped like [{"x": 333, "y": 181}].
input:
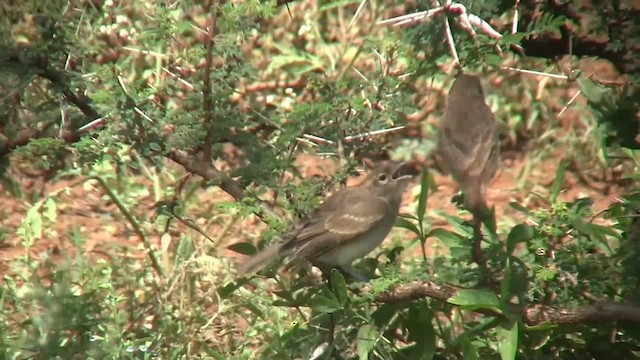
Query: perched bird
[
  {"x": 468, "y": 143},
  {"x": 348, "y": 225}
]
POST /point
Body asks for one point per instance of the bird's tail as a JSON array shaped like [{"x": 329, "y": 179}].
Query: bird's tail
[
  {"x": 259, "y": 260},
  {"x": 474, "y": 201}
]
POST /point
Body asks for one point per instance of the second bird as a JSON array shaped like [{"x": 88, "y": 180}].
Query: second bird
[{"x": 468, "y": 142}]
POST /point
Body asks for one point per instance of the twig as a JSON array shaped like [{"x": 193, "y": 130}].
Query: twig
[
  {"x": 514, "y": 26},
  {"x": 206, "y": 87},
  {"x": 211, "y": 173},
  {"x": 155, "y": 262},
  {"x": 355, "y": 16},
  {"x": 372, "y": 133}
]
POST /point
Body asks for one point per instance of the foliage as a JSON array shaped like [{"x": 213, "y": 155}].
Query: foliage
[{"x": 104, "y": 93}]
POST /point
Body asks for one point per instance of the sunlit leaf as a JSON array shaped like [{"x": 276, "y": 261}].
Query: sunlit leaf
[
  {"x": 244, "y": 248},
  {"x": 367, "y": 336},
  {"x": 424, "y": 195},
  {"x": 474, "y": 298},
  {"x": 339, "y": 286},
  {"x": 508, "y": 340}
]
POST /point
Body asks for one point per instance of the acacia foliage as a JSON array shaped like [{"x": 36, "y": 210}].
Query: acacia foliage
[{"x": 106, "y": 90}]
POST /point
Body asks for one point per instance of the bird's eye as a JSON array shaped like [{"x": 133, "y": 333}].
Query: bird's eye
[{"x": 382, "y": 177}]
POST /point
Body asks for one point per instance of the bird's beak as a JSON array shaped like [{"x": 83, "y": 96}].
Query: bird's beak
[{"x": 401, "y": 172}]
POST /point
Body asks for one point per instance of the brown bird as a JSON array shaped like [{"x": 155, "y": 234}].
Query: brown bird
[
  {"x": 348, "y": 225},
  {"x": 468, "y": 143}
]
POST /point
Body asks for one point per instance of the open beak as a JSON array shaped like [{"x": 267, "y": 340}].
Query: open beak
[{"x": 401, "y": 172}]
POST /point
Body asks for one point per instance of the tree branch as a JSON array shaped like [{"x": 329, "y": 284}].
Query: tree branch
[
  {"x": 223, "y": 181},
  {"x": 532, "y": 315},
  {"x": 24, "y": 136}
]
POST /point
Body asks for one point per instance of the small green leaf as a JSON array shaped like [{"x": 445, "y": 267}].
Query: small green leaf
[
  {"x": 155, "y": 146},
  {"x": 214, "y": 354},
  {"x": 255, "y": 309},
  {"x": 226, "y": 290},
  {"x": 243, "y": 248},
  {"x": 591, "y": 90},
  {"x": 508, "y": 340},
  {"x": 384, "y": 314},
  {"x": 474, "y": 298},
  {"x": 406, "y": 224},
  {"x": 339, "y": 286},
  {"x": 449, "y": 238},
  {"x": 325, "y": 303},
  {"x": 519, "y": 233},
  {"x": 408, "y": 216},
  {"x": 469, "y": 352},
  {"x": 367, "y": 336},
  {"x": 516, "y": 206},
  {"x": 421, "y": 332},
  {"x": 545, "y": 274},
  {"x": 424, "y": 195},
  {"x": 50, "y": 210},
  {"x": 31, "y": 227}
]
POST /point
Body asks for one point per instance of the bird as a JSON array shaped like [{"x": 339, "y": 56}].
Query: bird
[
  {"x": 346, "y": 226},
  {"x": 467, "y": 142}
]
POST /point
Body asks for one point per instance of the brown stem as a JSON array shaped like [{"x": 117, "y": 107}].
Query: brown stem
[{"x": 206, "y": 87}]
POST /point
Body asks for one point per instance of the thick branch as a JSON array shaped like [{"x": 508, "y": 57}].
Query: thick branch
[
  {"x": 23, "y": 137},
  {"x": 603, "y": 311},
  {"x": 617, "y": 29}
]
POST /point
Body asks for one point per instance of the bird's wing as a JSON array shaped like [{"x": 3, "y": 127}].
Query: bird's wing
[
  {"x": 342, "y": 217},
  {"x": 468, "y": 150}
]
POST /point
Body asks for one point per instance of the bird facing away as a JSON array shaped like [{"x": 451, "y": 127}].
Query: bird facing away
[
  {"x": 348, "y": 225},
  {"x": 468, "y": 142}
]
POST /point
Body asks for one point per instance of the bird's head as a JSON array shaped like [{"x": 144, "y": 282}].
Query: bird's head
[{"x": 389, "y": 177}]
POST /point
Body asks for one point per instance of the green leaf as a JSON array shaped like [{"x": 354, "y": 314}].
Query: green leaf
[
  {"x": 518, "y": 234},
  {"x": 508, "y": 340},
  {"x": 408, "y": 216},
  {"x": 545, "y": 274},
  {"x": 474, "y": 299},
  {"x": 449, "y": 238},
  {"x": 243, "y": 248},
  {"x": 367, "y": 336},
  {"x": 424, "y": 195},
  {"x": 463, "y": 229},
  {"x": 592, "y": 90},
  {"x": 469, "y": 352},
  {"x": 49, "y": 210},
  {"x": 31, "y": 227},
  {"x": 228, "y": 289},
  {"x": 255, "y": 309},
  {"x": 516, "y": 206},
  {"x": 339, "y": 286},
  {"x": 325, "y": 303},
  {"x": 406, "y": 224},
  {"x": 214, "y": 354},
  {"x": 420, "y": 327},
  {"x": 384, "y": 314},
  {"x": 558, "y": 182}
]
